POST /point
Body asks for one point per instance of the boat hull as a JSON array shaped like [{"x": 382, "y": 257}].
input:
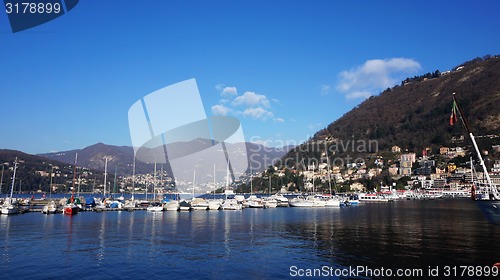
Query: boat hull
[
  {"x": 154, "y": 208},
  {"x": 48, "y": 209},
  {"x": 301, "y": 204},
  {"x": 214, "y": 204},
  {"x": 70, "y": 210},
  {"x": 171, "y": 206},
  {"x": 490, "y": 209},
  {"x": 9, "y": 210},
  {"x": 332, "y": 203}
]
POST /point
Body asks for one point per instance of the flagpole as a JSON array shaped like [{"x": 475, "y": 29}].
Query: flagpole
[
  {"x": 481, "y": 161},
  {"x": 462, "y": 115}
]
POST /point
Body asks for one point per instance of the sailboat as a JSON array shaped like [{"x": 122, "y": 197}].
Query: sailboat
[
  {"x": 155, "y": 206},
  {"x": 230, "y": 203},
  {"x": 49, "y": 208},
  {"x": 486, "y": 194},
  {"x": 71, "y": 208},
  {"x": 173, "y": 204},
  {"x": 214, "y": 203},
  {"x": 331, "y": 201},
  {"x": 253, "y": 201},
  {"x": 130, "y": 204},
  {"x": 10, "y": 204}
]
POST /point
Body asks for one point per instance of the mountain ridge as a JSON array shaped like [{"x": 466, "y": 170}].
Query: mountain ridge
[
  {"x": 122, "y": 157},
  {"x": 415, "y": 114}
]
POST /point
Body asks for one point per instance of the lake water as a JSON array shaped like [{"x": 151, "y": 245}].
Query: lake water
[{"x": 249, "y": 244}]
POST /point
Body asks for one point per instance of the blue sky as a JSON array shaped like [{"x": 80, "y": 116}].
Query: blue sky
[{"x": 284, "y": 68}]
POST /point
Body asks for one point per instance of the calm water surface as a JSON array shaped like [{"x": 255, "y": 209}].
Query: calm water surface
[{"x": 248, "y": 244}]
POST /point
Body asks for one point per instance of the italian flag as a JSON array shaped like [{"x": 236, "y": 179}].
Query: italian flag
[{"x": 453, "y": 117}]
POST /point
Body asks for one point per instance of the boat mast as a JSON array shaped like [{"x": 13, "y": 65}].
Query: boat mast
[
  {"x": 74, "y": 178},
  {"x": 79, "y": 180},
  {"x": 133, "y": 178},
  {"x": 154, "y": 182},
  {"x": 251, "y": 180},
  {"x": 327, "y": 169},
  {"x": 162, "y": 189},
  {"x": 214, "y": 181},
  {"x": 114, "y": 183},
  {"x": 51, "y": 174},
  {"x": 105, "y": 174},
  {"x": 13, "y": 179},
  {"x": 194, "y": 180},
  {"x": 481, "y": 161},
  {"x": 1, "y": 179},
  {"x": 227, "y": 178}
]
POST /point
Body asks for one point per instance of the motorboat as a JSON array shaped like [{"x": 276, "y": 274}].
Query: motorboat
[
  {"x": 300, "y": 201},
  {"x": 231, "y": 204},
  {"x": 49, "y": 208},
  {"x": 155, "y": 207}
]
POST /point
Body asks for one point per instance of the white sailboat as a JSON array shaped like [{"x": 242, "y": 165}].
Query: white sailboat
[
  {"x": 214, "y": 204},
  {"x": 300, "y": 201},
  {"x": 155, "y": 206},
  {"x": 10, "y": 206},
  {"x": 230, "y": 203},
  {"x": 331, "y": 201},
  {"x": 173, "y": 205},
  {"x": 49, "y": 208}
]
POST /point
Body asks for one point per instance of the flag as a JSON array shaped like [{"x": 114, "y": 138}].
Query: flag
[{"x": 453, "y": 117}]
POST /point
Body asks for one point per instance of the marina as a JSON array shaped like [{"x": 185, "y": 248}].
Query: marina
[{"x": 250, "y": 244}]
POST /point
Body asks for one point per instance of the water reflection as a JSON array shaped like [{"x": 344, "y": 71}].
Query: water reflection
[
  {"x": 5, "y": 229},
  {"x": 256, "y": 243},
  {"x": 402, "y": 234},
  {"x": 101, "y": 251}
]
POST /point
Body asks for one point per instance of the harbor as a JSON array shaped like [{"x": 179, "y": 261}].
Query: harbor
[
  {"x": 89, "y": 202},
  {"x": 409, "y": 234}
]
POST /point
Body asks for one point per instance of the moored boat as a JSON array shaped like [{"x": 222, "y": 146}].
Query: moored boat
[
  {"x": 231, "y": 204},
  {"x": 269, "y": 202},
  {"x": 10, "y": 205},
  {"x": 155, "y": 207},
  {"x": 184, "y": 206},
  {"x": 300, "y": 201},
  {"x": 71, "y": 207},
  {"x": 214, "y": 204},
  {"x": 171, "y": 205},
  {"x": 281, "y": 200},
  {"x": 372, "y": 197},
  {"x": 199, "y": 203},
  {"x": 49, "y": 208}
]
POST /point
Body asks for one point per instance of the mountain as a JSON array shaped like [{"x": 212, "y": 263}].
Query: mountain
[
  {"x": 415, "y": 115},
  {"x": 33, "y": 172},
  {"x": 122, "y": 157}
]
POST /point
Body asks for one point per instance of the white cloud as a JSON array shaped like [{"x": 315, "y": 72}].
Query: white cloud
[
  {"x": 220, "y": 110},
  {"x": 250, "y": 98},
  {"x": 249, "y": 104},
  {"x": 258, "y": 113},
  {"x": 374, "y": 76},
  {"x": 220, "y": 87},
  {"x": 358, "y": 94},
  {"x": 229, "y": 91},
  {"x": 325, "y": 89}
]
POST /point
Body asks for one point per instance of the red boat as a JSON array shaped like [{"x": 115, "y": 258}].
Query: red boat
[{"x": 71, "y": 208}]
